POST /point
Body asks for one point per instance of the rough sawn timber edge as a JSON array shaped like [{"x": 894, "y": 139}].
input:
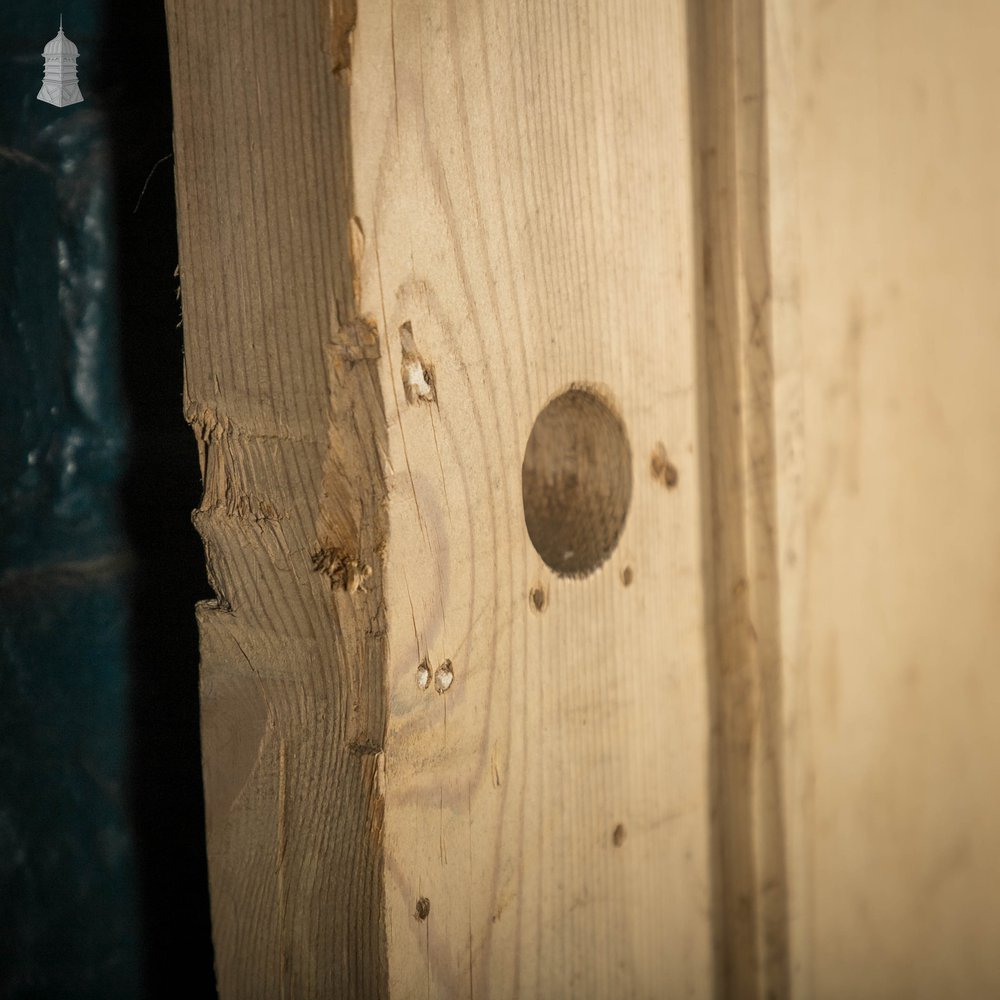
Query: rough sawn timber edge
[{"x": 282, "y": 393}]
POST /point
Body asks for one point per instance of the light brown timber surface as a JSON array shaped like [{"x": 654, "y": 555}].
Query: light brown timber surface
[
  {"x": 893, "y": 698},
  {"x": 293, "y": 705},
  {"x": 752, "y": 753},
  {"x": 522, "y": 180}
]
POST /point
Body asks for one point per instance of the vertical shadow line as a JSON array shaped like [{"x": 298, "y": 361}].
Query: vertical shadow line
[{"x": 727, "y": 67}]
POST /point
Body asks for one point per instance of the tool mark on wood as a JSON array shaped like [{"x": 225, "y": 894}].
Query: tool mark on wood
[
  {"x": 395, "y": 395},
  {"x": 417, "y": 375}
]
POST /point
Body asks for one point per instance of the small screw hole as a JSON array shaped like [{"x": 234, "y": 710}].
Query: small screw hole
[
  {"x": 423, "y": 674},
  {"x": 443, "y": 677}
]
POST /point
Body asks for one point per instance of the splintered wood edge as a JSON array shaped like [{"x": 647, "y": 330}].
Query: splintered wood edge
[{"x": 327, "y": 803}]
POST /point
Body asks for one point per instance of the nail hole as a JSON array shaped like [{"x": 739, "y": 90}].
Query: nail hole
[
  {"x": 576, "y": 482},
  {"x": 443, "y": 677},
  {"x": 618, "y": 837},
  {"x": 539, "y": 599},
  {"x": 423, "y": 674},
  {"x": 627, "y": 576},
  {"x": 423, "y": 908}
]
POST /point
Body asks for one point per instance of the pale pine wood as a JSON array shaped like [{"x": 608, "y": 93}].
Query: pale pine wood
[
  {"x": 854, "y": 185},
  {"x": 753, "y": 753},
  {"x": 888, "y": 264},
  {"x": 292, "y": 675},
  {"x": 523, "y": 183},
  {"x": 507, "y": 197}
]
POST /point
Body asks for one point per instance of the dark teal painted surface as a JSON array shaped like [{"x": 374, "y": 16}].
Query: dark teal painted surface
[
  {"x": 102, "y": 882},
  {"x": 68, "y": 903},
  {"x": 66, "y": 856}
]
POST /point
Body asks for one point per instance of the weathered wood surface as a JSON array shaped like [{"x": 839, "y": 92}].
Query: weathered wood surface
[
  {"x": 750, "y": 753},
  {"x": 523, "y": 184},
  {"x": 505, "y": 196},
  {"x": 292, "y": 674}
]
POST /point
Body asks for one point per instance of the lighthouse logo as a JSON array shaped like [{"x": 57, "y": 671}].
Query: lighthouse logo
[{"x": 59, "y": 86}]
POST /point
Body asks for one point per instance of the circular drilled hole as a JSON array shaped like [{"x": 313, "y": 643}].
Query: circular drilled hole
[{"x": 576, "y": 481}]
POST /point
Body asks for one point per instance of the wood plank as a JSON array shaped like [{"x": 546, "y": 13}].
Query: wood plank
[
  {"x": 894, "y": 692},
  {"x": 523, "y": 185},
  {"x": 292, "y": 674},
  {"x": 463, "y": 730}
]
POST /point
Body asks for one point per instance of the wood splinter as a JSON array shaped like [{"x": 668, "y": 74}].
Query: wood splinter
[{"x": 342, "y": 570}]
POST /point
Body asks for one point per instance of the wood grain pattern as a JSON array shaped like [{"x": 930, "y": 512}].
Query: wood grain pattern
[
  {"x": 751, "y": 753},
  {"x": 292, "y": 673},
  {"x": 523, "y": 183},
  {"x": 393, "y": 257}
]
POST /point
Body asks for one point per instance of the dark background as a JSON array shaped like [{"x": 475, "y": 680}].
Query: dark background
[{"x": 103, "y": 882}]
